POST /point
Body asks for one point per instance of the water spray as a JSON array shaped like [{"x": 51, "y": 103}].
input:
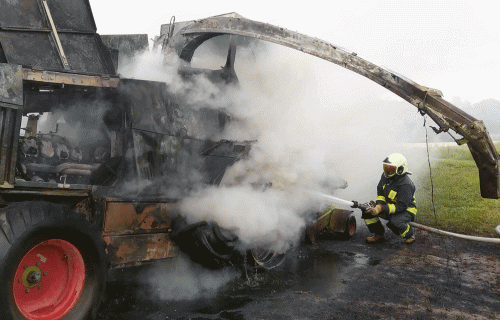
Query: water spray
[
  {"x": 353, "y": 204},
  {"x": 365, "y": 206},
  {"x": 331, "y": 198}
]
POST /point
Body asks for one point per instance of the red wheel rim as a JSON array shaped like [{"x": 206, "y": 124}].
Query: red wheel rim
[
  {"x": 49, "y": 280},
  {"x": 352, "y": 226}
]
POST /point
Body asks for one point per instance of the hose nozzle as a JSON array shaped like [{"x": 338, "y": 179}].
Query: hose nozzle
[{"x": 363, "y": 206}]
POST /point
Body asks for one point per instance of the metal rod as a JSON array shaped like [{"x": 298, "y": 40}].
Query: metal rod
[{"x": 56, "y": 35}]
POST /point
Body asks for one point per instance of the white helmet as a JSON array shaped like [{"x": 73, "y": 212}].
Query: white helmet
[{"x": 395, "y": 163}]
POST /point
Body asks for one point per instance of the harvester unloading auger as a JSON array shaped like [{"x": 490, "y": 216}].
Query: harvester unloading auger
[{"x": 184, "y": 38}]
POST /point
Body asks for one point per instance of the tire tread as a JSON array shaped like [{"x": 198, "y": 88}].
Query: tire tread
[
  {"x": 6, "y": 228},
  {"x": 36, "y": 211},
  {"x": 4, "y": 242},
  {"x": 16, "y": 221},
  {"x": 26, "y": 215}
]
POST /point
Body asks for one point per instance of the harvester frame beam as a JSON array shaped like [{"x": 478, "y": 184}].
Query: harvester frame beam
[{"x": 428, "y": 101}]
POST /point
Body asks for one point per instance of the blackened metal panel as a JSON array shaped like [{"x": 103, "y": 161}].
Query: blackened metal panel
[
  {"x": 127, "y": 44},
  {"x": 10, "y": 122},
  {"x": 149, "y": 104},
  {"x": 11, "y": 84},
  {"x": 72, "y": 15},
  {"x": 181, "y": 161},
  {"x": 171, "y": 159},
  {"x": 125, "y": 47},
  {"x": 16, "y": 131},
  {"x": 214, "y": 168},
  {"x": 3, "y": 59},
  {"x": 26, "y": 38},
  {"x": 68, "y": 15},
  {"x": 30, "y": 49},
  {"x": 155, "y": 109},
  {"x": 24, "y": 14},
  {"x": 172, "y": 141},
  {"x": 11, "y": 102},
  {"x": 85, "y": 53}
]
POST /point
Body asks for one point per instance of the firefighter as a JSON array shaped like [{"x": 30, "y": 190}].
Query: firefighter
[{"x": 395, "y": 201}]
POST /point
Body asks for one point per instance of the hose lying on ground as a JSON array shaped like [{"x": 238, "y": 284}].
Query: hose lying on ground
[{"x": 458, "y": 235}]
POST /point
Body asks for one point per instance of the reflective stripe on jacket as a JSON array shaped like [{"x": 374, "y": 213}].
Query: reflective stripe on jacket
[{"x": 396, "y": 194}]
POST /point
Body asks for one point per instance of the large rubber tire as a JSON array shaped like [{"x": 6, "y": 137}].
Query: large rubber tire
[{"x": 53, "y": 263}]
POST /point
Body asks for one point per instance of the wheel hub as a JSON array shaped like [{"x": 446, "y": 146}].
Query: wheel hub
[{"x": 31, "y": 276}]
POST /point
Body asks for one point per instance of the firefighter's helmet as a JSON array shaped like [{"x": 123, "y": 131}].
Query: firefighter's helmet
[{"x": 395, "y": 163}]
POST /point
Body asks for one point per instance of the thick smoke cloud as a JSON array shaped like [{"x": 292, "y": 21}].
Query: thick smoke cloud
[
  {"x": 272, "y": 218},
  {"x": 317, "y": 126}
]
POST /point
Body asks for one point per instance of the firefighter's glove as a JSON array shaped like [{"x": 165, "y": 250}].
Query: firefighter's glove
[{"x": 375, "y": 211}]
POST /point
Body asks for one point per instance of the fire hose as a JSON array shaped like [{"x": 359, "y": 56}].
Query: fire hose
[{"x": 366, "y": 206}]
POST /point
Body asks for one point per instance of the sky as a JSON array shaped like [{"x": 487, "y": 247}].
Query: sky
[{"x": 447, "y": 45}]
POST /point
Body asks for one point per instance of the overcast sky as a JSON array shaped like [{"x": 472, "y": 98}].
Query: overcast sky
[{"x": 448, "y": 45}]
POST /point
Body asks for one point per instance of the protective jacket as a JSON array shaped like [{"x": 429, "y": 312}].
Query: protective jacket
[{"x": 396, "y": 194}]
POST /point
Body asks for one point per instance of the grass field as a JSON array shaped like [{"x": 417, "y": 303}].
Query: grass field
[{"x": 458, "y": 205}]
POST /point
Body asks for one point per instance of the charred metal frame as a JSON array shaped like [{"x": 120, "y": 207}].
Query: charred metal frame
[{"x": 428, "y": 101}]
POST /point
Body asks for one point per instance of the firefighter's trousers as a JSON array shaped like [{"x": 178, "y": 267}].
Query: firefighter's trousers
[{"x": 398, "y": 223}]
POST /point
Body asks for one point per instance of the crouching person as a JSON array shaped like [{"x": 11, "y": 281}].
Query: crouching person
[{"x": 395, "y": 201}]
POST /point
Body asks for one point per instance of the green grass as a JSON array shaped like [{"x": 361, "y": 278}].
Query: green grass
[{"x": 458, "y": 204}]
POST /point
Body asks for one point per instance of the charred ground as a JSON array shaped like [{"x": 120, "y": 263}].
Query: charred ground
[{"x": 434, "y": 278}]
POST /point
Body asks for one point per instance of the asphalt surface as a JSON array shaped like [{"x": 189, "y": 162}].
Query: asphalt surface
[{"x": 433, "y": 278}]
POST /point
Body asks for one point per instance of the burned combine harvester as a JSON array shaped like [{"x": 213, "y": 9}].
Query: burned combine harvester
[{"x": 93, "y": 165}]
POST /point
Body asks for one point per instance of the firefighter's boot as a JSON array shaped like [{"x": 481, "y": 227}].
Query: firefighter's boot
[
  {"x": 410, "y": 239},
  {"x": 376, "y": 238}
]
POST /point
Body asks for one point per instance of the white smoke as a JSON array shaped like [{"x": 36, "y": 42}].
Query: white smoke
[
  {"x": 272, "y": 218},
  {"x": 316, "y": 125},
  {"x": 180, "y": 279},
  {"x": 155, "y": 66},
  {"x": 149, "y": 65},
  {"x": 81, "y": 122}
]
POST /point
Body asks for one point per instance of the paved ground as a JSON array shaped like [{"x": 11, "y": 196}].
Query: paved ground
[{"x": 434, "y": 278}]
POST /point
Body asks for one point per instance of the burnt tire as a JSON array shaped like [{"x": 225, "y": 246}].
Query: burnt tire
[
  {"x": 264, "y": 259},
  {"x": 206, "y": 244},
  {"x": 350, "y": 227},
  {"x": 53, "y": 263}
]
